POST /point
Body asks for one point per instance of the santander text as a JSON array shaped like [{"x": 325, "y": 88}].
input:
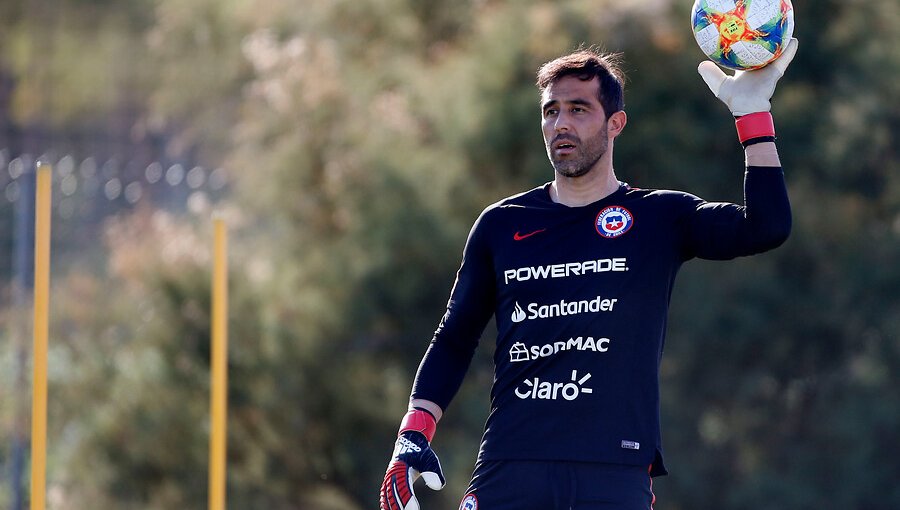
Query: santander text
[{"x": 563, "y": 308}]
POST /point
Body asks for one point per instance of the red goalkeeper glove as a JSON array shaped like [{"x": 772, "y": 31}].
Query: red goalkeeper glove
[{"x": 413, "y": 457}]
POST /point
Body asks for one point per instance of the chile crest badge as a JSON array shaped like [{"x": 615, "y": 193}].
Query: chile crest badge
[{"x": 613, "y": 221}]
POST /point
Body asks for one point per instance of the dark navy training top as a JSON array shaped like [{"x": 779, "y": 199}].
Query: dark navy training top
[{"x": 580, "y": 296}]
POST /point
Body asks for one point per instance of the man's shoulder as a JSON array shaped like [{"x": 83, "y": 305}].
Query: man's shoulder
[
  {"x": 661, "y": 197},
  {"x": 535, "y": 197}
]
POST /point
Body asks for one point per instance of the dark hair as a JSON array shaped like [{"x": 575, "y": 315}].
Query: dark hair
[{"x": 586, "y": 63}]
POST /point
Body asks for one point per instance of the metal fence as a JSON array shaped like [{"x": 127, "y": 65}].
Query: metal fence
[{"x": 87, "y": 191}]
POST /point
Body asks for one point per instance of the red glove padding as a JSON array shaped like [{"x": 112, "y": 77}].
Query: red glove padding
[
  {"x": 419, "y": 420},
  {"x": 755, "y": 125},
  {"x": 413, "y": 457}
]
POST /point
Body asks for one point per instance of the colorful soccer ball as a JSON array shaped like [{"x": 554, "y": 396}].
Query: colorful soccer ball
[{"x": 742, "y": 34}]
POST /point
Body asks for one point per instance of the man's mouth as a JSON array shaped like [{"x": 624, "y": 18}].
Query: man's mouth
[{"x": 564, "y": 147}]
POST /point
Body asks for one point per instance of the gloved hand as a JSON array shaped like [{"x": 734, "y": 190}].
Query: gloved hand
[
  {"x": 747, "y": 91},
  {"x": 413, "y": 457}
]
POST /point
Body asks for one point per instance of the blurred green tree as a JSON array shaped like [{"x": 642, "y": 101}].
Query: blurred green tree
[{"x": 365, "y": 136}]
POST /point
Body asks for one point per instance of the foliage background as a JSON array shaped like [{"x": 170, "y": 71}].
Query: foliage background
[{"x": 359, "y": 140}]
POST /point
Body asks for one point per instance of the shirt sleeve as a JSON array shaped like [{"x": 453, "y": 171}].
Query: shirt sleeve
[
  {"x": 469, "y": 309},
  {"x": 721, "y": 231}
]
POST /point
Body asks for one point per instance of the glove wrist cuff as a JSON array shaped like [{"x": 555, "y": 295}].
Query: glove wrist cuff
[
  {"x": 755, "y": 125},
  {"x": 419, "y": 421}
]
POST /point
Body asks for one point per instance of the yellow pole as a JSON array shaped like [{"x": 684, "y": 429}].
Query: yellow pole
[
  {"x": 41, "y": 317},
  {"x": 219, "y": 375}
]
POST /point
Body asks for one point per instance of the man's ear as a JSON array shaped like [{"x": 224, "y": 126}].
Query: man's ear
[{"x": 616, "y": 123}]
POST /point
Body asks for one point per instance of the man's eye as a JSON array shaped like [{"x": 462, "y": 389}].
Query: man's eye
[
  {"x": 551, "y": 111},
  {"x": 578, "y": 109}
]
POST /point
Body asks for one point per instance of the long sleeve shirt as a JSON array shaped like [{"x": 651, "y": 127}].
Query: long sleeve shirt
[{"x": 580, "y": 296}]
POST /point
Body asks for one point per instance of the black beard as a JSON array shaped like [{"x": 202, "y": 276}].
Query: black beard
[{"x": 588, "y": 156}]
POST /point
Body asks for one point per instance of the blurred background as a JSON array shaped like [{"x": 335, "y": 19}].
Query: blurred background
[{"x": 350, "y": 144}]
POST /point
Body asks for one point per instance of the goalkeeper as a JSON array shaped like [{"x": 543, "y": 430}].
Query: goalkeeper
[{"x": 578, "y": 274}]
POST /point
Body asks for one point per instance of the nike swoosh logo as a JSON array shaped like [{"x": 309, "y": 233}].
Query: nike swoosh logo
[{"x": 518, "y": 237}]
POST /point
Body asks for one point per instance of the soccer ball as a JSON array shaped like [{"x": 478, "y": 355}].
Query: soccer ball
[{"x": 742, "y": 34}]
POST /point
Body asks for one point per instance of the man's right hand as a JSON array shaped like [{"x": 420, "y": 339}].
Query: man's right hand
[{"x": 413, "y": 457}]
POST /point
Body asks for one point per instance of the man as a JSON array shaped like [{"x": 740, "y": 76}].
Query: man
[{"x": 578, "y": 273}]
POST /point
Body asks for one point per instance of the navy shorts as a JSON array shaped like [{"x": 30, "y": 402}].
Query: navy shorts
[{"x": 550, "y": 485}]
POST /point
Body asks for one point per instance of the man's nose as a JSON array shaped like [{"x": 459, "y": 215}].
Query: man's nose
[{"x": 562, "y": 123}]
